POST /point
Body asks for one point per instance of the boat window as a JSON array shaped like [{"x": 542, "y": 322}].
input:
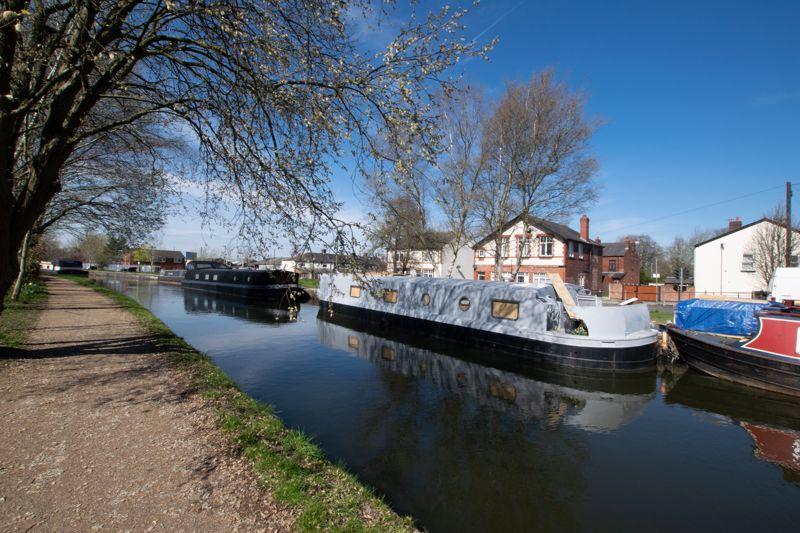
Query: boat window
[
  {"x": 248, "y": 278},
  {"x": 463, "y": 304},
  {"x": 390, "y": 296},
  {"x": 355, "y": 291},
  {"x": 215, "y": 277},
  {"x": 505, "y": 309},
  {"x": 426, "y": 299},
  {"x": 352, "y": 341},
  {"x": 197, "y": 276},
  {"x": 388, "y": 353},
  {"x": 234, "y": 278},
  {"x": 206, "y": 276}
]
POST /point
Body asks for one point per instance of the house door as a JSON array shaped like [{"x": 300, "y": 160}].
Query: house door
[{"x": 582, "y": 280}]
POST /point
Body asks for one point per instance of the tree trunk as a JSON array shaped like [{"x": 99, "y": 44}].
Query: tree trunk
[
  {"x": 23, "y": 262},
  {"x": 8, "y": 262}
]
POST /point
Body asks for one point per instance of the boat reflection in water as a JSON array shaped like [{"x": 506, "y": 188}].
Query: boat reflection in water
[
  {"x": 772, "y": 420},
  {"x": 197, "y": 301},
  {"x": 596, "y": 401}
]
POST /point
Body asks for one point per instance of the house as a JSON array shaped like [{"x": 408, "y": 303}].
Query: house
[
  {"x": 432, "y": 256},
  {"x": 162, "y": 259},
  {"x": 314, "y": 264},
  {"x": 548, "y": 248},
  {"x": 726, "y": 264},
  {"x": 621, "y": 263}
]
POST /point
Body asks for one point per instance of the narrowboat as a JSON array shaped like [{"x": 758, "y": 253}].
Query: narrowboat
[
  {"x": 199, "y": 302},
  {"x": 272, "y": 285},
  {"x": 769, "y": 360},
  {"x": 171, "y": 276},
  {"x": 525, "y": 321},
  {"x": 65, "y": 266}
]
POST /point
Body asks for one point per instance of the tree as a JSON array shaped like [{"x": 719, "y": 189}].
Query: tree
[
  {"x": 271, "y": 93},
  {"x": 680, "y": 253},
  {"x": 538, "y": 143},
  {"x": 768, "y": 245},
  {"x": 649, "y": 251},
  {"x": 461, "y": 165},
  {"x": 400, "y": 228},
  {"x": 93, "y": 248}
]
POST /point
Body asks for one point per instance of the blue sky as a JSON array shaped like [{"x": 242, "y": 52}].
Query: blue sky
[{"x": 701, "y": 103}]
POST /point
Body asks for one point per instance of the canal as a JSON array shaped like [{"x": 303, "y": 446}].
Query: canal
[{"x": 462, "y": 441}]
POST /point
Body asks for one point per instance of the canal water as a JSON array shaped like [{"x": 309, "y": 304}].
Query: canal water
[{"x": 462, "y": 441}]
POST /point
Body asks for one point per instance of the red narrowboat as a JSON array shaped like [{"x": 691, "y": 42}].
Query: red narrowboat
[{"x": 770, "y": 359}]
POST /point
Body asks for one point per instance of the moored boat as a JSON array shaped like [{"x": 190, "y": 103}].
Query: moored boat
[
  {"x": 769, "y": 359},
  {"x": 523, "y": 320},
  {"x": 272, "y": 285}
]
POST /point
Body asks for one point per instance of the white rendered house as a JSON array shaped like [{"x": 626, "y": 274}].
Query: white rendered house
[{"x": 725, "y": 265}]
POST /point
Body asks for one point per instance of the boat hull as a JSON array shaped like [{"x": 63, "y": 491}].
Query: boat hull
[
  {"x": 713, "y": 356},
  {"x": 633, "y": 358},
  {"x": 262, "y": 292}
]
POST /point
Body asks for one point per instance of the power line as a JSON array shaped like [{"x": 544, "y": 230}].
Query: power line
[{"x": 698, "y": 208}]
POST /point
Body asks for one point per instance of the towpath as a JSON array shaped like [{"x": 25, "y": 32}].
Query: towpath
[{"x": 99, "y": 432}]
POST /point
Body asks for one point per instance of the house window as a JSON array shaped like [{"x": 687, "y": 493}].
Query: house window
[
  {"x": 504, "y": 248},
  {"x": 571, "y": 248},
  {"x": 540, "y": 278},
  {"x": 481, "y": 253},
  {"x": 747, "y": 263},
  {"x": 546, "y": 246},
  {"x": 427, "y": 273},
  {"x": 521, "y": 278},
  {"x": 582, "y": 280},
  {"x": 463, "y": 304},
  {"x": 505, "y": 309},
  {"x": 390, "y": 296},
  {"x": 793, "y": 261},
  {"x": 355, "y": 291},
  {"x": 525, "y": 247},
  {"x": 580, "y": 250},
  {"x": 481, "y": 276},
  {"x": 612, "y": 265}
]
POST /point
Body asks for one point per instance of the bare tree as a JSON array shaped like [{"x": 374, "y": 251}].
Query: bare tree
[
  {"x": 271, "y": 91},
  {"x": 680, "y": 253},
  {"x": 538, "y": 140},
  {"x": 648, "y": 249},
  {"x": 768, "y": 245},
  {"x": 460, "y": 167}
]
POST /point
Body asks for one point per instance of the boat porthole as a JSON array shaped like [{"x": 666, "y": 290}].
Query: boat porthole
[
  {"x": 426, "y": 299},
  {"x": 463, "y": 304}
]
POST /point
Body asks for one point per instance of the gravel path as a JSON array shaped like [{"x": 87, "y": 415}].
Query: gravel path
[{"x": 98, "y": 432}]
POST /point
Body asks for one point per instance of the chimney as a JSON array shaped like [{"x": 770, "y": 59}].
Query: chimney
[
  {"x": 630, "y": 244},
  {"x": 734, "y": 223},
  {"x": 585, "y": 228}
]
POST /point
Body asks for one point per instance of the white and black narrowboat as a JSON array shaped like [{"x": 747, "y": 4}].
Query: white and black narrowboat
[
  {"x": 272, "y": 285},
  {"x": 769, "y": 360},
  {"x": 525, "y": 321}
]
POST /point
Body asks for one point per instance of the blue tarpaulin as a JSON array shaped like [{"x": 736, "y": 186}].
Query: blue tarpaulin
[{"x": 716, "y": 316}]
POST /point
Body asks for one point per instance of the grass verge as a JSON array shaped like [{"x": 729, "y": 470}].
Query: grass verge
[
  {"x": 661, "y": 317},
  {"x": 310, "y": 283},
  {"x": 17, "y": 317},
  {"x": 287, "y": 463}
]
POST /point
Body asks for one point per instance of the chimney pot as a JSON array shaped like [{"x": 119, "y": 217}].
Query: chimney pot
[
  {"x": 585, "y": 228},
  {"x": 734, "y": 223}
]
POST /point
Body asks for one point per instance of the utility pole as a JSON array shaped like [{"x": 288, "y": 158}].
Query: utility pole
[{"x": 788, "y": 224}]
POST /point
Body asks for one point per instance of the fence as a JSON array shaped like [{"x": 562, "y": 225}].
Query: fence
[{"x": 649, "y": 293}]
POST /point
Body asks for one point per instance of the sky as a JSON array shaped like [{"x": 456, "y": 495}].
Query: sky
[{"x": 700, "y": 103}]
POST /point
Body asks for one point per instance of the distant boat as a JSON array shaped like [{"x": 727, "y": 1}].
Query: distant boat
[
  {"x": 769, "y": 360},
  {"x": 525, "y": 321},
  {"x": 272, "y": 285}
]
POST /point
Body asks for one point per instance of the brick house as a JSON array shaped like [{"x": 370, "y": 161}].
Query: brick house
[
  {"x": 621, "y": 263},
  {"x": 431, "y": 256},
  {"x": 548, "y": 248},
  {"x": 163, "y": 259}
]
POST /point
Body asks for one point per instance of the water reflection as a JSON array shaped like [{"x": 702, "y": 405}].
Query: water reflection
[
  {"x": 195, "y": 302},
  {"x": 590, "y": 401},
  {"x": 771, "y": 420}
]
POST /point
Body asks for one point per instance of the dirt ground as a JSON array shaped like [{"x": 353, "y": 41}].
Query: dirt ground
[{"x": 98, "y": 432}]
